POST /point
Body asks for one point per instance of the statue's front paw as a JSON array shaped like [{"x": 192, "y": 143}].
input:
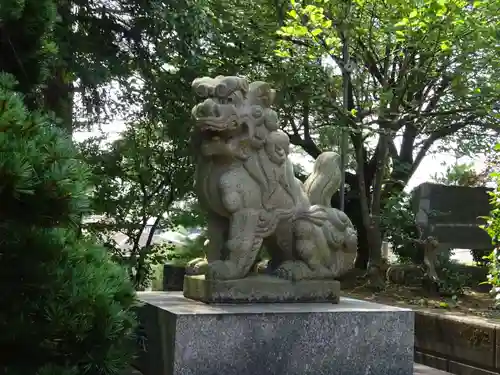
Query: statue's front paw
[
  {"x": 222, "y": 270},
  {"x": 196, "y": 266},
  {"x": 293, "y": 270}
]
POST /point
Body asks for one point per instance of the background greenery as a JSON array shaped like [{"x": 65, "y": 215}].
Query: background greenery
[{"x": 421, "y": 79}]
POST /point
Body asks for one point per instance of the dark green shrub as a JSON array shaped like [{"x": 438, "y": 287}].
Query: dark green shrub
[
  {"x": 65, "y": 307},
  {"x": 493, "y": 229},
  {"x": 181, "y": 255},
  {"x": 453, "y": 278},
  {"x": 398, "y": 223},
  {"x": 480, "y": 256}
]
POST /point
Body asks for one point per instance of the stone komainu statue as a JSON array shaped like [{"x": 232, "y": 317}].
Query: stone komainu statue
[{"x": 246, "y": 184}]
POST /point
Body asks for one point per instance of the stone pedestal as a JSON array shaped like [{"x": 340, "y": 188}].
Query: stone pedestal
[
  {"x": 185, "y": 337},
  {"x": 260, "y": 289}
]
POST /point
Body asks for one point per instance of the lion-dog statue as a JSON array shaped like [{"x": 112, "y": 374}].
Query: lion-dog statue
[{"x": 246, "y": 184}]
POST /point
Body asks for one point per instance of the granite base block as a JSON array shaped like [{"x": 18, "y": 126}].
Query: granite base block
[
  {"x": 185, "y": 337},
  {"x": 418, "y": 369},
  {"x": 260, "y": 289}
]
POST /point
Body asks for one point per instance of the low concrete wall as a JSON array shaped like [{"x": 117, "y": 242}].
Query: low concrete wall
[{"x": 461, "y": 345}]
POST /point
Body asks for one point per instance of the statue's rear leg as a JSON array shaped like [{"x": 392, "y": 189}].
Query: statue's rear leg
[
  {"x": 279, "y": 246},
  {"x": 243, "y": 247},
  {"x": 311, "y": 250}
]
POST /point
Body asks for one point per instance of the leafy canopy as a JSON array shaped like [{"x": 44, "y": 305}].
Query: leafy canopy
[{"x": 422, "y": 67}]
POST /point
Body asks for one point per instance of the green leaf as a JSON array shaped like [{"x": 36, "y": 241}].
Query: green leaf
[
  {"x": 316, "y": 32},
  {"x": 311, "y": 9},
  {"x": 282, "y": 53},
  {"x": 331, "y": 41},
  {"x": 293, "y": 14},
  {"x": 445, "y": 46},
  {"x": 327, "y": 24},
  {"x": 441, "y": 12},
  {"x": 287, "y": 30},
  {"x": 295, "y": 30},
  {"x": 414, "y": 13},
  {"x": 405, "y": 21}
]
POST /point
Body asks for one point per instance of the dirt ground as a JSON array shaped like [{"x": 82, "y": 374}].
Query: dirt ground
[{"x": 471, "y": 303}]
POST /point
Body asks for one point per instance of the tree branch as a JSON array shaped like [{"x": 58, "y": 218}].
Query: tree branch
[
  {"x": 392, "y": 149},
  {"x": 447, "y": 113},
  {"x": 370, "y": 63},
  {"x": 305, "y": 121},
  {"x": 407, "y": 146},
  {"x": 307, "y": 144},
  {"x": 438, "y": 134}
]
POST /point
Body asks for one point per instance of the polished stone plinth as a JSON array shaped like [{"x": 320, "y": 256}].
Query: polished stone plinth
[
  {"x": 418, "y": 369},
  {"x": 260, "y": 289},
  {"x": 184, "y": 337}
]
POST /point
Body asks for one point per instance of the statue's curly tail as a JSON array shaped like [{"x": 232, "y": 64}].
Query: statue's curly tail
[{"x": 324, "y": 181}]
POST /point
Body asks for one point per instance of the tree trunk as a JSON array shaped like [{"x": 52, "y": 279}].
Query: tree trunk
[
  {"x": 58, "y": 97},
  {"x": 363, "y": 199},
  {"x": 353, "y": 210},
  {"x": 370, "y": 211},
  {"x": 375, "y": 232},
  {"x": 58, "y": 93},
  {"x": 376, "y": 204}
]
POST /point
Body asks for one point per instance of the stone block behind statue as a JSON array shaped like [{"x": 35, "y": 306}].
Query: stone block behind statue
[{"x": 246, "y": 184}]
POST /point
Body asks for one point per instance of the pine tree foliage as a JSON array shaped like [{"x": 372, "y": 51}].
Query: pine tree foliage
[
  {"x": 65, "y": 307},
  {"x": 27, "y": 47}
]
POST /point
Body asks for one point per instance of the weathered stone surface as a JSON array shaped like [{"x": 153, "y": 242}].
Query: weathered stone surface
[
  {"x": 497, "y": 348},
  {"x": 465, "y": 338},
  {"x": 452, "y": 214},
  {"x": 420, "y": 369},
  {"x": 260, "y": 288},
  {"x": 351, "y": 337},
  {"x": 458, "y": 368},
  {"x": 431, "y": 360}
]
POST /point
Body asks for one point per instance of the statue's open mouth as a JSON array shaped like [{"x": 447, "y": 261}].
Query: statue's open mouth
[
  {"x": 221, "y": 141},
  {"x": 212, "y": 126}
]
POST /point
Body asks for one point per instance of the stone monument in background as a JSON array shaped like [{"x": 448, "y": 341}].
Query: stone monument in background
[
  {"x": 453, "y": 214},
  {"x": 239, "y": 317}
]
